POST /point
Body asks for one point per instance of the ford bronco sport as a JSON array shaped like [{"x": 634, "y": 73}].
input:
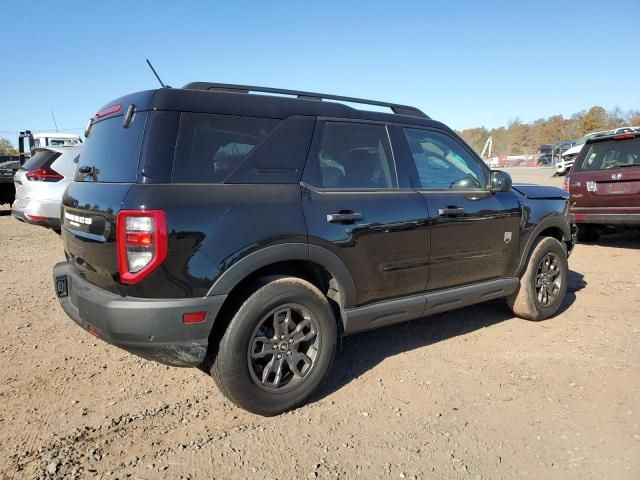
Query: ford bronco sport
[{"x": 244, "y": 233}]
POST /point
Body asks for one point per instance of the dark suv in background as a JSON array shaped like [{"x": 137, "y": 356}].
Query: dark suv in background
[{"x": 244, "y": 233}]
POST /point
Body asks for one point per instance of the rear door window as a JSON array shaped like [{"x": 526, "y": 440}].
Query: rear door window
[
  {"x": 210, "y": 147},
  {"x": 612, "y": 154},
  {"x": 112, "y": 150},
  {"x": 353, "y": 156}
]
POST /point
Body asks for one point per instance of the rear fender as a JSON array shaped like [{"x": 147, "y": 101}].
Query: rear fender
[{"x": 282, "y": 253}]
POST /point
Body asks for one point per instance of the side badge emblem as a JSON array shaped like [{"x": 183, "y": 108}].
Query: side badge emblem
[{"x": 507, "y": 237}]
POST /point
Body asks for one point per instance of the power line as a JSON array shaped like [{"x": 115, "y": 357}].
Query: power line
[{"x": 41, "y": 130}]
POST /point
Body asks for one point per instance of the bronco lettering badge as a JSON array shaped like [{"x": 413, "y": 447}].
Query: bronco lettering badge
[{"x": 507, "y": 237}]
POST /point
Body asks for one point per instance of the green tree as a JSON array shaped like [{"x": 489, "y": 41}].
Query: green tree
[{"x": 6, "y": 148}]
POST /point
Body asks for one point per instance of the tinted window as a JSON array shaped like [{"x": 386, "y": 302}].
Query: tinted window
[
  {"x": 612, "y": 154},
  {"x": 112, "y": 150},
  {"x": 210, "y": 147},
  {"x": 354, "y": 155},
  {"x": 442, "y": 163},
  {"x": 41, "y": 159}
]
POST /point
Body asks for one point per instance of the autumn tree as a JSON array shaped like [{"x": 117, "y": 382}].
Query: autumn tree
[
  {"x": 6, "y": 148},
  {"x": 520, "y": 138},
  {"x": 475, "y": 137},
  {"x": 594, "y": 120}
]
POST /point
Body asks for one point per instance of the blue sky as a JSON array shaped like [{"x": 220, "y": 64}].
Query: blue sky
[{"x": 466, "y": 63}]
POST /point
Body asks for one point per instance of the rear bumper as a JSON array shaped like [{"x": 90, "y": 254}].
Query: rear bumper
[
  {"x": 150, "y": 328},
  {"x": 48, "y": 211},
  {"x": 631, "y": 219}
]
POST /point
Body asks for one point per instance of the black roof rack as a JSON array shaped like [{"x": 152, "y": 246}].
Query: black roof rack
[{"x": 228, "y": 87}]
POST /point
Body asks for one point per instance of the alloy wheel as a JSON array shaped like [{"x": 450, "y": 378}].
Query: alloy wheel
[
  {"x": 283, "y": 348},
  {"x": 548, "y": 280}
]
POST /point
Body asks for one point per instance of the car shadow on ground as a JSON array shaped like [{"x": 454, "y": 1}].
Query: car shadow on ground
[
  {"x": 361, "y": 352},
  {"x": 626, "y": 239}
]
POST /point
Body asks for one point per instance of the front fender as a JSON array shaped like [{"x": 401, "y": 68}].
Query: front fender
[{"x": 557, "y": 220}]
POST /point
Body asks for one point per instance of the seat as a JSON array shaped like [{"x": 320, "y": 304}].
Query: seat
[{"x": 359, "y": 170}]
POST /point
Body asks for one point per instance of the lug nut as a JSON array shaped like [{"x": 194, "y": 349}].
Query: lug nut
[
  {"x": 281, "y": 337},
  {"x": 275, "y": 347},
  {"x": 279, "y": 356},
  {"x": 291, "y": 340},
  {"x": 289, "y": 352}
]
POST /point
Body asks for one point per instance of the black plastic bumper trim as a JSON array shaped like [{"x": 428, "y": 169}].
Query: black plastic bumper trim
[{"x": 150, "y": 328}]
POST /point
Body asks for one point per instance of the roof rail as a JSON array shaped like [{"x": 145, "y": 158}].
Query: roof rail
[{"x": 228, "y": 87}]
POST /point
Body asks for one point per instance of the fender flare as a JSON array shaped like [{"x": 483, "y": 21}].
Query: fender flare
[
  {"x": 549, "y": 222},
  {"x": 286, "y": 252}
]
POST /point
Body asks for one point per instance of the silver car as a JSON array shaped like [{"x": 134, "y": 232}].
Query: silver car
[{"x": 41, "y": 182}]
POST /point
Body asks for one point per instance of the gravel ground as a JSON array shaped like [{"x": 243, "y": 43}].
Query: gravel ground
[{"x": 471, "y": 394}]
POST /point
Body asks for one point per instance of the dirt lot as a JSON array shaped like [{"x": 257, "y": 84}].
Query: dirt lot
[{"x": 472, "y": 394}]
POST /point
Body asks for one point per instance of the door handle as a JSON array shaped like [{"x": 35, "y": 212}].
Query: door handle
[
  {"x": 343, "y": 217},
  {"x": 450, "y": 211}
]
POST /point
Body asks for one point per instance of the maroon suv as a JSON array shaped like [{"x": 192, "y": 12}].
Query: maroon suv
[{"x": 604, "y": 184}]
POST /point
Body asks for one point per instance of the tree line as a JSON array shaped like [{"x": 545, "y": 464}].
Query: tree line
[{"x": 519, "y": 138}]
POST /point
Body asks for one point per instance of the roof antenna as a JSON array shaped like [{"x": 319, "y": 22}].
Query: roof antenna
[
  {"x": 54, "y": 121},
  {"x": 156, "y": 74}
]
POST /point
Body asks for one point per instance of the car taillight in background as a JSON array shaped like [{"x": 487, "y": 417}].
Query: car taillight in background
[
  {"x": 566, "y": 183},
  {"x": 623, "y": 136},
  {"x": 44, "y": 175},
  {"x": 141, "y": 239}
]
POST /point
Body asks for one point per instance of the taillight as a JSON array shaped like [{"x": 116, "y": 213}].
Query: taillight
[
  {"x": 566, "y": 183},
  {"x": 141, "y": 239},
  {"x": 44, "y": 175},
  {"x": 622, "y": 136}
]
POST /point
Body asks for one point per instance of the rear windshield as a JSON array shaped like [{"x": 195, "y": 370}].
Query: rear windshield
[
  {"x": 41, "y": 159},
  {"x": 112, "y": 150},
  {"x": 612, "y": 154},
  {"x": 210, "y": 147}
]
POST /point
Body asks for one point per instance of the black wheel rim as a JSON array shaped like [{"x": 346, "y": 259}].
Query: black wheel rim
[
  {"x": 284, "y": 348},
  {"x": 548, "y": 280}
]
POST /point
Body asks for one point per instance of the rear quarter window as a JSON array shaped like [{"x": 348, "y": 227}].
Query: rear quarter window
[
  {"x": 209, "y": 147},
  {"x": 112, "y": 150}
]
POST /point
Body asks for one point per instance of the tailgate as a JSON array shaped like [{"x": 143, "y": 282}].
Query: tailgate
[
  {"x": 88, "y": 230},
  {"x": 107, "y": 169}
]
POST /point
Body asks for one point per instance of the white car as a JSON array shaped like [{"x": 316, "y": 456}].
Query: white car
[
  {"x": 569, "y": 156},
  {"x": 41, "y": 182}
]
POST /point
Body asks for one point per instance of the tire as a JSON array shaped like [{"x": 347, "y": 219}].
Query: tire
[
  {"x": 528, "y": 301},
  {"x": 255, "y": 331},
  {"x": 587, "y": 233}
]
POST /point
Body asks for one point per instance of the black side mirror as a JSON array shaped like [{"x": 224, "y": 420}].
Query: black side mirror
[{"x": 500, "y": 181}]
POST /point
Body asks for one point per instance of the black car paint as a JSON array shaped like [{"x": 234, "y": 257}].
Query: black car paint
[{"x": 400, "y": 252}]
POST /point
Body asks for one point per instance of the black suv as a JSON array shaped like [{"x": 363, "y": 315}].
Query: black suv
[{"x": 243, "y": 233}]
